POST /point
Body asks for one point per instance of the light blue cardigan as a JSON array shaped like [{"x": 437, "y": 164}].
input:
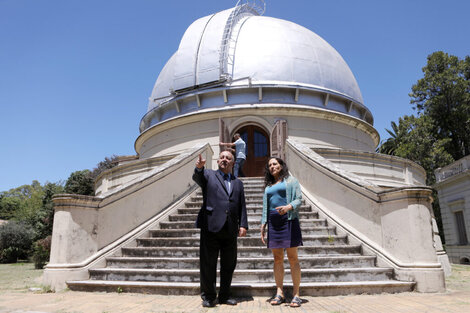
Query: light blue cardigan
[{"x": 293, "y": 197}]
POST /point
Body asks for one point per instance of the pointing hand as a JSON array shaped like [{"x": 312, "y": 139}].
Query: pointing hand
[{"x": 200, "y": 162}]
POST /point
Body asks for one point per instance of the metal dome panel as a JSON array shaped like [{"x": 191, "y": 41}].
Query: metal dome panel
[
  {"x": 186, "y": 56},
  {"x": 227, "y": 54},
  {"x": 270, "y": 49}
]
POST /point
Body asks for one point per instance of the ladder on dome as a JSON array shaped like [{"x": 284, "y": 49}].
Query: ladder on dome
[{"x": 227, "y": 47}]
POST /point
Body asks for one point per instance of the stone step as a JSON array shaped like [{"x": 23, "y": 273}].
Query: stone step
[
  {"x": 242, "y": 263},
  {"x": 242, "y": 242},
  {"x": 248, "y": 196},
  {"x": 248, "y": 190},
  {"x": 251, "y": 224},
  {"x": 245, "y": 289},
  {"x": 167, "y": 261},
  {"x": 242, "y": 251},
  {"x": 251, "y": 216},
  {"x": 251, "y": 208},
  {"x": 259, "y": 183},
  {"x": 258, "y": 275},
  {"x": 198, "y": 203},
  {"x": 255, "y": 198},
  {"x": 258, "y": 209},
  {"x": 252, "y": 232}
]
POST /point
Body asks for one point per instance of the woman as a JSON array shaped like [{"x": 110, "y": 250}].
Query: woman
[{"x": 281, "y": 201}]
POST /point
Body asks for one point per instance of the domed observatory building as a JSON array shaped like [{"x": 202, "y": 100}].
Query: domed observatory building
[
  {"x": 367, "y": 219},
  {"x": 236, "y": 71}
]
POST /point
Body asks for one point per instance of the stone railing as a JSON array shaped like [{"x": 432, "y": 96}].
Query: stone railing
[
  {"x": 394, "y": 223},
  {"x": 86, "y": 228},
  {"x": 453, "y": 169},
  {"x": 381, "y": 169},
  {"x": 126, "y": 172}
]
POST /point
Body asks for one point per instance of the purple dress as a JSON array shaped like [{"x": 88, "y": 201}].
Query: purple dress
[{"x": 282, "y": 233}]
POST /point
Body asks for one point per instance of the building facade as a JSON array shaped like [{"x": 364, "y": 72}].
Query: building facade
[
  {"x": 289, "y": 94},
  {"x": 453, "y": 187}
]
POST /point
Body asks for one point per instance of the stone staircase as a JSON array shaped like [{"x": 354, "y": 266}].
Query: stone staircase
[{"x": 167, "y": 261}]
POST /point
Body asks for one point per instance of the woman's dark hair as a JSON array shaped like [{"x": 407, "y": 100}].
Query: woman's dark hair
[{"x": 268, "y": 178}]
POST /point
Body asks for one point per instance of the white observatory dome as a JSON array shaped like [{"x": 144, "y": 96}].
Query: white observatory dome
[{"x": 237, "y": 49}]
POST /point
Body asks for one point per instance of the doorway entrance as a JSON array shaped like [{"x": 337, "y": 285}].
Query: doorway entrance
[{"x": 257, "y": 150}]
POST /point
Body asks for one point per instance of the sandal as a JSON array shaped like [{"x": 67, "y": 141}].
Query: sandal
[
  {"x": 277, "y": 300},
  {"x": 296, "y": 302}
]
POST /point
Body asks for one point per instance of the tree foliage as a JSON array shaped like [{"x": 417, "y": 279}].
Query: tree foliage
[
  {"x": 80, "y": 182},
  {"x": 443, "y": 94},
  {"x": 106, "y": 164},
  {"x": 16, "y": 239},
  {"x": 30, "y": 213},
  {"x": 47, "y": 212},
  {"x": 438, "y": 135},
  {"x": 83, "y": 182},
  {"x": 8, "y": 206},
  {"x": 41, "y": 252},
  {"x": 413, "y": 139},
  {"x": 31, "y": 205}
]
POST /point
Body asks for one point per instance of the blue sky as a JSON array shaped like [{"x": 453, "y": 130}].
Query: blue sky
[{"x": 75, "y": 76}]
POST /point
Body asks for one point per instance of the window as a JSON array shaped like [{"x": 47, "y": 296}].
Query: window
[
  {"x": 461, "y": 231},
  {"x": 244, "y": 137},
  {"x": 261, "y": 145}
]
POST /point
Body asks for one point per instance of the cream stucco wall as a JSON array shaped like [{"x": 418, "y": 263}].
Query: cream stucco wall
[
  {"x": 86, "y": 227},
  {"x": 453, "y": 186},
  {"x": 396, "y": 224},
  {"x": 383, "y": 170},
  {"x": 311, "y": 126}
]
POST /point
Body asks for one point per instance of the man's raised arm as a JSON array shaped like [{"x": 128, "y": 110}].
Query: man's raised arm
[{"x": 198, "y": 175}]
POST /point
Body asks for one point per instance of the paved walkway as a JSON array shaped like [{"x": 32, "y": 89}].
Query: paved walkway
[{"x": 70, "y": 301}]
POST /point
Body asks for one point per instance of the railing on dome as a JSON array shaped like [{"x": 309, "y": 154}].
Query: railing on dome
[{"x": 227, "y": 48}]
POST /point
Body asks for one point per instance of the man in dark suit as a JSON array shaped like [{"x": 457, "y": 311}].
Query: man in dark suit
[{"x": 222, "y": 217}]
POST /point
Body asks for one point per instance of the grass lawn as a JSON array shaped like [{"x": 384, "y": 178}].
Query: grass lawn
[
  {"x": 460, "y": 278},
  {"x": 19, "y": 277}
]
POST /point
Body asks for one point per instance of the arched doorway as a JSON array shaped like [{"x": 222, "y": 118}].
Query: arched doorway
[{"x": 257, "y": 149}]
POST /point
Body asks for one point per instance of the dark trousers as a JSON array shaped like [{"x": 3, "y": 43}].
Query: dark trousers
[{"x": 210, "y": 245}]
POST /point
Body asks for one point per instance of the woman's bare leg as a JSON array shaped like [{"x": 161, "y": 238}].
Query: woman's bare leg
[
  {"x": 293, "y": 257},
  {"x": 278, "y": 255}
]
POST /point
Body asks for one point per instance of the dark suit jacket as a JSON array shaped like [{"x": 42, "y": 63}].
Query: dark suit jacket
[{"x": 218, "y": 205}]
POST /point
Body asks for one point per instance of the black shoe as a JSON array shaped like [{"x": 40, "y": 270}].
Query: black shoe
[
  {"x": 208, "y": 303},
  {"x": 229, "y": 301}
]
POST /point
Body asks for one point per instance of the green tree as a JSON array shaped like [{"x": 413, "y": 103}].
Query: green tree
[
  {"x": 44, "y": 229},
  {"x": 439, "y": 133},
  {"x": 83, "y": 182},
  {"x": 80, "y": 182},
  {"x": 8, "y": 205},
  {"x": 16, "y": 239},
  {"x": 443, "y": 94},
  {"x": 30, "y": 214},
  {"x": 390, "y": 145},
  {"x": 413, "y": 139},
  {"x": 30, "y": 197},
  {"x": 106, "y": 164}
]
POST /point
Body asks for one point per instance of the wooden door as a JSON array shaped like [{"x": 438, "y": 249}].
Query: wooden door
[
  {"x": 278, "y": 139},
  {"x": 257, "y": 150}
]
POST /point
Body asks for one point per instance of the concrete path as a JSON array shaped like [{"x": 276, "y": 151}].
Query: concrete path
[{"x": 69, "y": 301}]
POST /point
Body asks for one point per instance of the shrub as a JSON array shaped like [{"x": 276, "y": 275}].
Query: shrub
[
  {"x": 42, "y": 250},
  {"x": 15, "y": 241},
  {"x": 80, "y": 182},
  {"x": 9, "y": 255}
]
